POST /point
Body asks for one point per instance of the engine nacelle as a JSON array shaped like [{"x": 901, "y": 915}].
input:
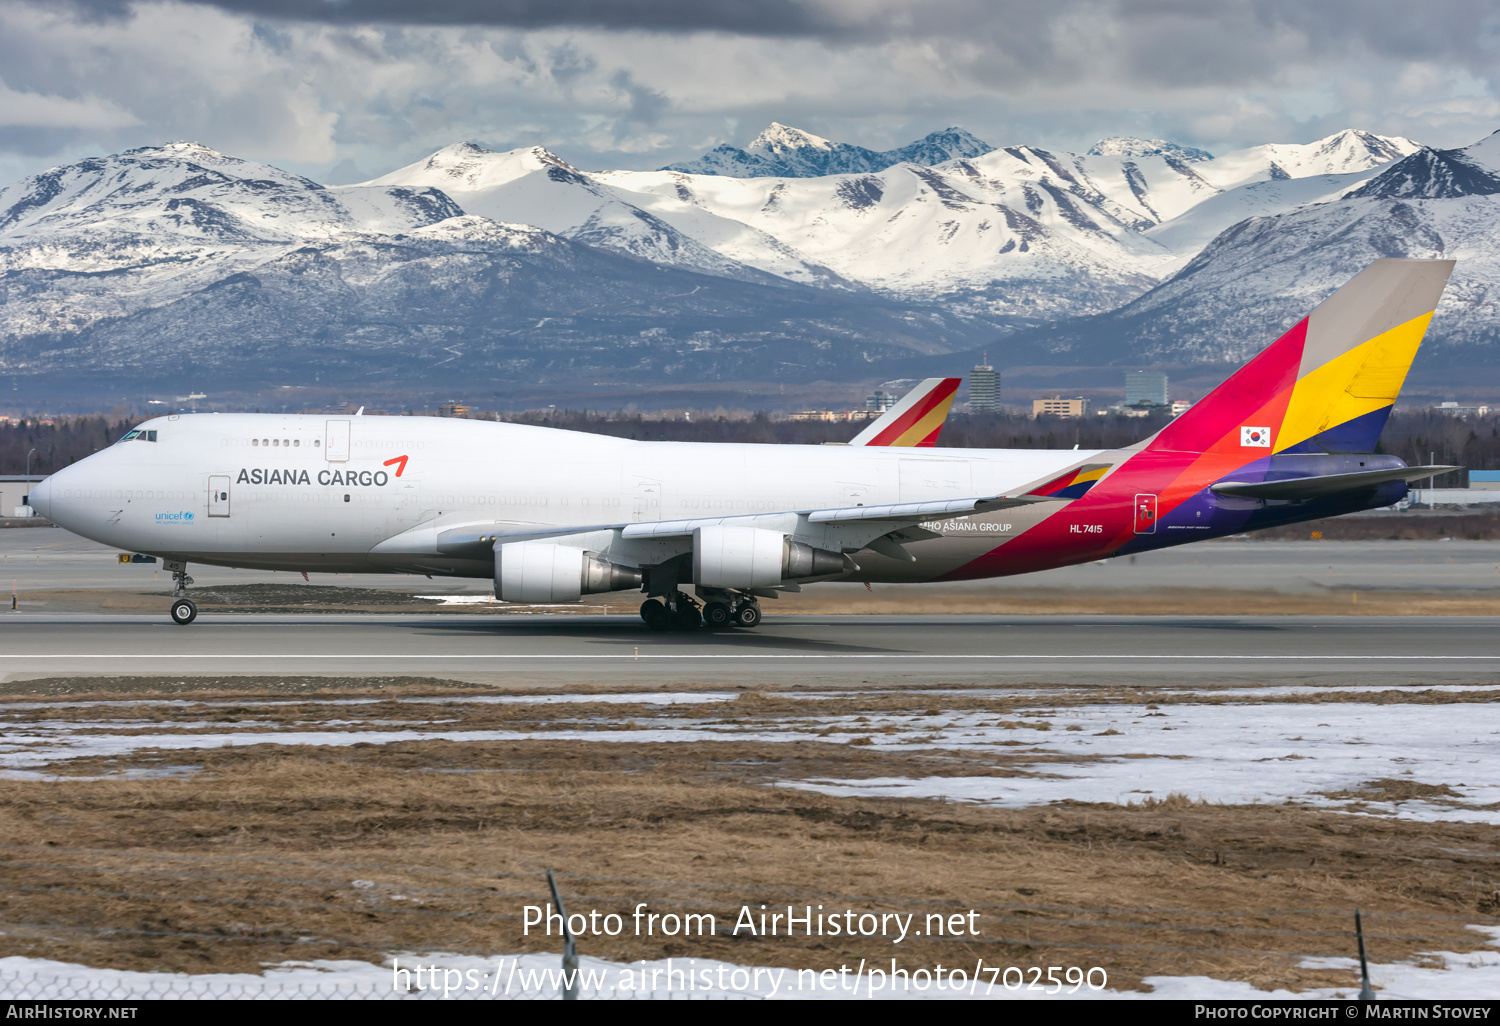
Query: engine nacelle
[
  {"x": 749, "y": 557},
  {"x": 537, "y": 571}
]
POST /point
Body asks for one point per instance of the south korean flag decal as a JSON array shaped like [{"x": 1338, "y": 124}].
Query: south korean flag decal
[{"x": 1255, "y": 437}]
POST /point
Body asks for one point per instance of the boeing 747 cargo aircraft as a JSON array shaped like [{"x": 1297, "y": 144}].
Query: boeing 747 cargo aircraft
[{"x": 705, "y": 530}]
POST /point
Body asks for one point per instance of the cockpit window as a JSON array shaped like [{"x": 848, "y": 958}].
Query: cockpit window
[{"x": 137, "y": 435}]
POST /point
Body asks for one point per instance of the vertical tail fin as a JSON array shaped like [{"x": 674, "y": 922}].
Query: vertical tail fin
[
  {"x": 917, "y": 419},
  {"x": 1329, "y": 383}
]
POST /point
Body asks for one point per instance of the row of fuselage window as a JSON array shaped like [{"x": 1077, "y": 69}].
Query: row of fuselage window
[
  {"x": 294, "y": 442},
  {"x": 105, "y": 493}
]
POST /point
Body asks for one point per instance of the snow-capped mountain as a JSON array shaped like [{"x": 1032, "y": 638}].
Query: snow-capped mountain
[
  {"x": 1130, "y": 146},
  {"x": 110, "y": 236},
  {"x": 1019, "y": 234},
  {"x": 1020, "y": 254},
  {"x": 521, "y": 266},
  {"x": 784, "y": 152},
  {"x": 1260, "y": 276},
  {"x": 200, "y": 196},
  {"x": 178, "y": 260},
  {"x": 537, "y": 187}
]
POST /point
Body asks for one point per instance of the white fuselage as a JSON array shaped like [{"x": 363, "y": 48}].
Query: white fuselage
[{"x": 320, "y": 493}]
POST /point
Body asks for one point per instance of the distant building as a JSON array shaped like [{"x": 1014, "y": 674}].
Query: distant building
[
  {"x": 1180, "y": 406},
  {"x": 984, "y": 388},
  {"x": 452, "y": 410},
  {"x": 880, "y": 400},
  {"x": 832, "y": 416},
  {"x": 1145, "y": 388},
  {"x": 1457, "y": 410},
  {"x": 1058, "y": 407}
]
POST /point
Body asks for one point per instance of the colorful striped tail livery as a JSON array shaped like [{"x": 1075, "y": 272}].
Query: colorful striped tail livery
[
  {"x": 917, "y": 419},
  {"x": 1289, "y": 437}
]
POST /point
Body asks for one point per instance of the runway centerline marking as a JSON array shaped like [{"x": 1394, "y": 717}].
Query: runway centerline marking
[{"x": 747, "y": 655}]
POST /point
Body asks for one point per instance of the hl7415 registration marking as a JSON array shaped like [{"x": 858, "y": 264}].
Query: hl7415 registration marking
[{"x": 1086, "y": 528}]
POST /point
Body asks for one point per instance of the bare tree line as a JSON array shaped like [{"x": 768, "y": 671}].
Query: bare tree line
[{"x": 1417, "y": 436}]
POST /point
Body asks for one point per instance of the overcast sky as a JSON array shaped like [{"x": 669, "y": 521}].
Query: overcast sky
[{"x": 346, "y": 89}]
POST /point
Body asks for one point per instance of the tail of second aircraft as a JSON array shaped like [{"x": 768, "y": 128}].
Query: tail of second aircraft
[{"x": 916, "y": 420}]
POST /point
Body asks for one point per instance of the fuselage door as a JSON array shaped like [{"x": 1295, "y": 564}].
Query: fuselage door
[
  {"x": 646, "y": 504},
  {"x": 218, "y": 495},
  {"x": 336, "y": 445},
  {"x": 1145, "y": 514}
]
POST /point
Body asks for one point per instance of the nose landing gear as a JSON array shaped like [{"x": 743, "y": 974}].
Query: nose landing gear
[{"x": 184, "y": 611}]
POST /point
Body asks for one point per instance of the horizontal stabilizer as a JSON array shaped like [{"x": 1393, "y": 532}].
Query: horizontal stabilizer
[{"x": 1326, "y": 485}]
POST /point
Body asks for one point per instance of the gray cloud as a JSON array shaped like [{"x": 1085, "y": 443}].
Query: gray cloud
[
  {"x": 371, "y": 84},
  {"x": 1397, "y": 28},
  {"x": 745, "y": 17}
]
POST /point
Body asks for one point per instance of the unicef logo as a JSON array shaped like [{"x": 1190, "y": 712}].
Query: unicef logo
[{"x": 187, "y": 515}]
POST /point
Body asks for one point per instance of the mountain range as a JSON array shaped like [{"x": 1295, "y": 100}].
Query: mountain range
[
  {"x": 783, "y": 152},
  {"x": 807, "y": 260}
]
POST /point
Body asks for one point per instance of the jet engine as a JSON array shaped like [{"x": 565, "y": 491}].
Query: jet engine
[
  {"x": 749, "y": 557},
  {"x": 535, "y": 571}
]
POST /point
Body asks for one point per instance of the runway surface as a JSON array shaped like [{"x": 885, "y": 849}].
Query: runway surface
[
  {"x": 816, "y": 650},
  {"x": 39, "y": 559}
]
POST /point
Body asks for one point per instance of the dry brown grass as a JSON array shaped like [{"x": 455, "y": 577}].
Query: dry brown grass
[{"x": 252, "y": 857}]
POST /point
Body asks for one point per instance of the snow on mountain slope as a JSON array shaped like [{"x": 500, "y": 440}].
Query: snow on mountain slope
[
  {"x": 1130, "y": 146},
  {"x": 909, "y": 231},
  {"x": 171, "y": 261},
  {"x": 178, "y": 251},
  {"x": 915, "y": 231},
  {"x": 1186, "y": 234},
  {"x": 194, "y": 195},
  {"x": 1344, "y": 152},
  {"x": 1263, "y": 274},
  {"x": 118, "y": 233},
  {"x": 535, "y": 186},
  {"x": 784, "y": 152},
  {"x": 1017, "y": 232}
]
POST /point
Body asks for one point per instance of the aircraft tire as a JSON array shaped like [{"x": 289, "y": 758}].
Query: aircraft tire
[
  {"x": 747, "y": 616},
  {"x": 718, "y": 615},
  {"x": 184, "y": 611},
  {"x": 656, "y": 614},
  {"x": 687, "y": 617}
]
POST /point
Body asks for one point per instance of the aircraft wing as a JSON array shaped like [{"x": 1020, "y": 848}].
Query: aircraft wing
[
  {"x": 916, "y": 420},
  {"x": 906, "y": 512},
  {"x": 1324, "y": 485},
  {"x": 847, "y": 527}
]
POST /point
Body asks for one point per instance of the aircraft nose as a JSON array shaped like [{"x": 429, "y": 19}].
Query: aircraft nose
[{"x": 41, "y": 498}]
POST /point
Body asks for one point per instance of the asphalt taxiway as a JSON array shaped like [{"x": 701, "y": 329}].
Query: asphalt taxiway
[
  {"x": 41, "y": 559},
  {"x": 529, "y": 650}
]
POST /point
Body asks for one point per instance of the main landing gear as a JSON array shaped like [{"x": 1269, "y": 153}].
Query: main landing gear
[
  {"x": 684, "y": 614},
  {"x": 183, "y": 609}
]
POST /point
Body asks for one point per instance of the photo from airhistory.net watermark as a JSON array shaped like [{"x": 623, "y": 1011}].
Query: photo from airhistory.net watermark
[{"x": 751, "y": 921}]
